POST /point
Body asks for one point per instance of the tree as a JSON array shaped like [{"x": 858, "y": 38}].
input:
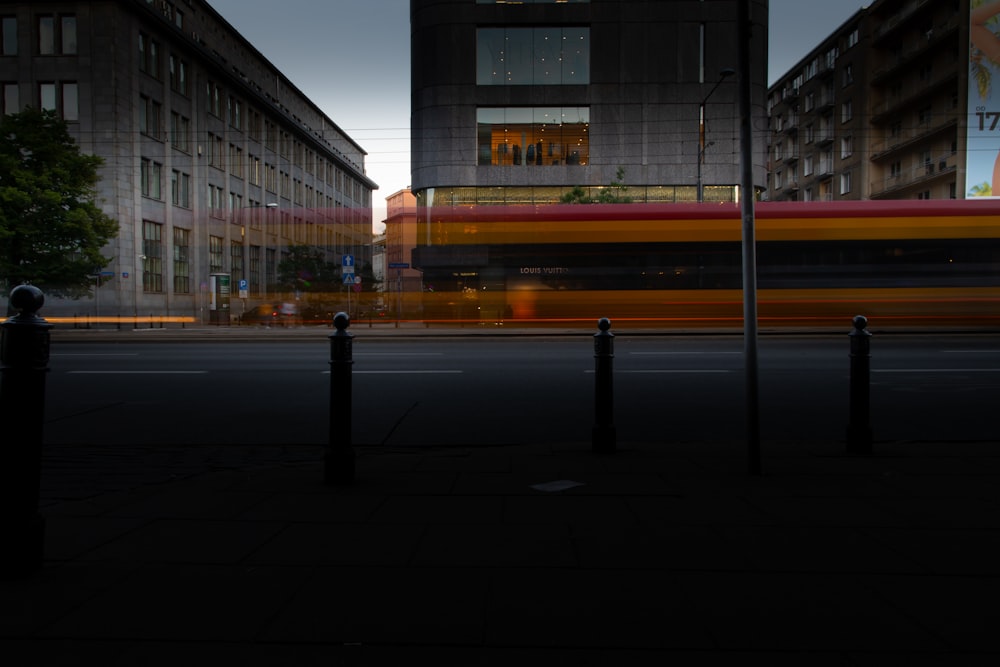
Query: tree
[
  {"x": 304, "y": 269},
  {"x": 613, "y": 193},
  {"x": 51, "y": 231}
]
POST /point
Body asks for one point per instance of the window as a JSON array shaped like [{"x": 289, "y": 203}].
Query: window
[
  {"x": 47, "y": 96},
  {"x": 215, "y": 258},
  {"x": 151, "y": 178},
  {"x": 270, "y": 264},
  {"x": 180, "y": 189},
  {"x": 8, "y": 37},
  {"x": 852, "y": 38},
  {"x": 178, "y": 75},
  {"x": 214, "y": 98},
  {"x": 848, "y": 74},
  {"x": 532, "y": 56},
  {"x": 235, "y": 160},
  {"x": 845, "y": 183},
  {"x": 180, "y": 132},
  {"x": 254, "y": 165},
  {"x": 533, "y": 136},
  {"x": 11, "y": 98},
  {"x": 149, "y": 117},
  {"x": 846, "y": 111},
  {"x": 46, "y": 35},
  {"x": 895, "y": 169},
  {"x": 778, "y": 180},
  {"x": 254, "y": 275},
  {"x": 63, "y": 98},
  {"x": 846, "y": 147},
  {"x": 182, "y": 263},
  {"x": 924, "y": 116},
  {"x": 235, "y": 113},
  {"x": 236, "y": 261},
  {"x": 216, "y": 148},
  {"x": 807, "y": 165},
  {"x": 152, "y": 256},
  {"x": 67, "y": 34},
  {"x": 149, "y": 56},
  {"x": 215, "y": 203},
  {"x": 70, "y": 101}
]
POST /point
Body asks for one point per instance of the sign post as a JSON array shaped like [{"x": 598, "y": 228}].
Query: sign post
[
  {"x": 399, "y": 266},
  {"x": 347, "y": 277}
]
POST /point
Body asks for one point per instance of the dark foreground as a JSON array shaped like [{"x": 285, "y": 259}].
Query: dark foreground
[{"x": 456, "y": 556}]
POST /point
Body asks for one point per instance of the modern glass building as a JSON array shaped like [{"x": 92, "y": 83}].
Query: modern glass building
[
  {"x": 528, "y": 104},
  {"x": 520, "y": 102}
]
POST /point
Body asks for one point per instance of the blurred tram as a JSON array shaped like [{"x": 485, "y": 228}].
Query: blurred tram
[{"x": 926, "y": 263}]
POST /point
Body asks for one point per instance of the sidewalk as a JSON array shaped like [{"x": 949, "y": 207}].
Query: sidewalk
[{"x": 515, "y": 555}]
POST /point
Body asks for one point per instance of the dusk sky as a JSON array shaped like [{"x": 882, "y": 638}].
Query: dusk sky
[{"x": 352, "y": 58}]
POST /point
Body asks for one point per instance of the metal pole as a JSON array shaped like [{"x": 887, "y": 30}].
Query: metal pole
[
  {"x": 859, "y": 430},
  {"x": 603, "y": 433},
  {"x": 24, "y": 361},
  {"x": 338, "y": 459},
  {"x": 749, "y": 243}
]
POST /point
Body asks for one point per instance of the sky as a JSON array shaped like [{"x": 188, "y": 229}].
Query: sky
[{"x": 352, "y": 59}]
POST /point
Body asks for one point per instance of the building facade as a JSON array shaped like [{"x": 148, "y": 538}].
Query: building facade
[
  {"x": 878, "y": 110},
  {"x": 518, "y": 103},
  {"x": 214, "y": 162}
]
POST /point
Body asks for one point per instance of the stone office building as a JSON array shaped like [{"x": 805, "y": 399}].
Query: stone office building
[{"x": 215, "y": 163}]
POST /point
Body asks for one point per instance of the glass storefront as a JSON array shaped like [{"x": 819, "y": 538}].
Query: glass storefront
[{"x": 533, "y": 136}]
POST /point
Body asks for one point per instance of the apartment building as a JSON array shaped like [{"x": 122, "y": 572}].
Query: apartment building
[
  {"x": 878, "y": 110},
  {"x": 215, "y": 163}
]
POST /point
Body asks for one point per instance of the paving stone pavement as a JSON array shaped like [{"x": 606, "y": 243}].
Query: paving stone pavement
[{"x": 528, "y": 554}]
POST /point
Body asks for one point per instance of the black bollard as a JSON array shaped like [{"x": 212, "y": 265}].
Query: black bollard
[
  {"x": 859, "y": 430},
  {"x": 338, "y": 459},
  {"x": 603, "y": 434},
  {"x": 24, "y": 361}
]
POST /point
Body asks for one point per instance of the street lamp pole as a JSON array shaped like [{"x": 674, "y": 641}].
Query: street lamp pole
[{"x": 723, "y": 74}]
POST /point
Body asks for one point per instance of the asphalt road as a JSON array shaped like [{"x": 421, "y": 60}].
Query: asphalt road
[{"x": 491, "y": 391}]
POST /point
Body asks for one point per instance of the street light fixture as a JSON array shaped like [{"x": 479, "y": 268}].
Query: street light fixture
[{"x": 723, "y": 75}]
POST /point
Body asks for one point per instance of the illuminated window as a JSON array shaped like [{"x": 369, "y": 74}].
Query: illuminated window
[{"x": 533, "y": 136}]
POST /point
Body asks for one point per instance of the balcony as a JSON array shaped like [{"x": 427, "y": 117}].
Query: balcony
[
  {"x": 897, "y": 103},
  {"x": 900, "y": 18},
  {"x": 921, "y": 175},
  {"x": 887, "y": 146},
  {"x": 929, "y": 41}
]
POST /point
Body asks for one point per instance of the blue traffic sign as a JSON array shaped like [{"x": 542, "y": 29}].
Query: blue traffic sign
[
  {"x": 347, "y": 260},
  {"x": 399, "y": 265}
]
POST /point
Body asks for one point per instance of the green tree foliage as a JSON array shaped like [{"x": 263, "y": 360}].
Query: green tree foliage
[
  {"x": 51, "y": 231},
  {"x": 304, "y": 269},
  {"x": 614, "y": 193}
]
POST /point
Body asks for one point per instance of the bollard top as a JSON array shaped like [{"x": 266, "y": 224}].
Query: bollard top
[
  {"x": 604, "y": 324},
  {"x": 28, "y": 299},
  {"x": 860, "y": 326},
  {"x": 341, "y": 321}
]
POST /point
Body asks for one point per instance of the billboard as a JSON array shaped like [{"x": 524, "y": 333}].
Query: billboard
[{"x": 982, "y": 161}]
